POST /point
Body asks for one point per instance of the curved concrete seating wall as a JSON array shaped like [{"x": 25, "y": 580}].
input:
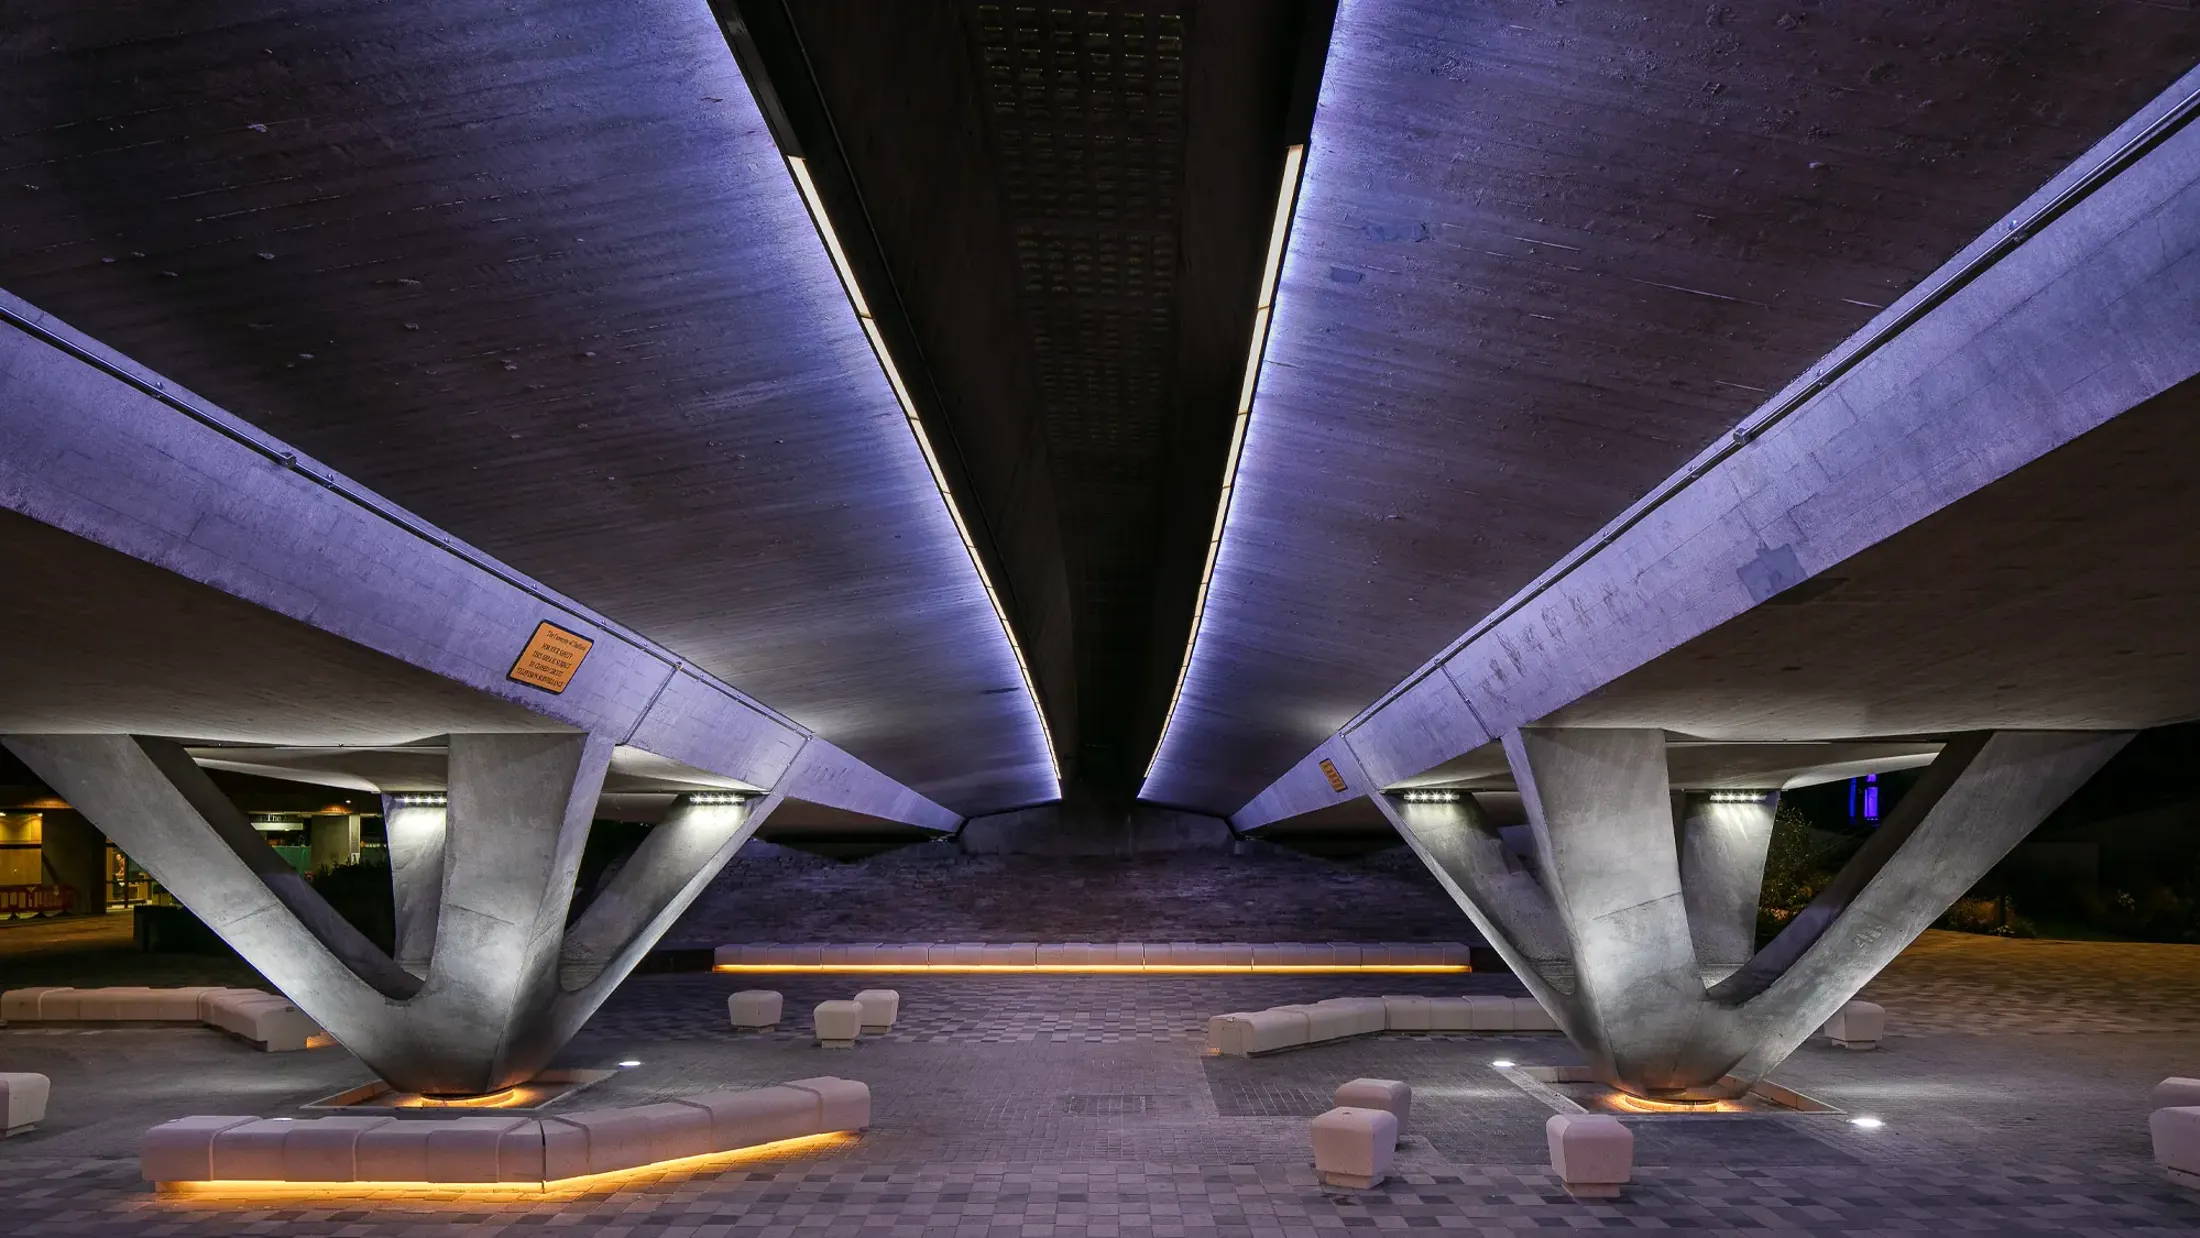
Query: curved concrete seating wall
[
  {"x": 1246, "y": 1033},
  {"x": 1164, "y": 955},
  {"x": 266, "y": 1019},
  {"x": 485, "y": 1148}
]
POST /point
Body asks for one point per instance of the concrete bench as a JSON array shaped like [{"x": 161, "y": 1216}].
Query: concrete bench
[
  {"x": 880, "y": 1008},
  {"x": 1246, "y": 1033},
  {"x": 484, "y": 1148},
  {"x": 1593, "y": 1154},
  {"x": 837, "y": 1024},
  {"x": 2176, "y": 1134},
  {"x": 1857, "y": 1025},
  {"x": 1159, "y": 956},
  {"x": 1388, "y": 1095},
  {"x": 754, "y": 1010},
  {"x": 23, "y": 1097},
  {"x": 268, "y": 1020},
  {"x": 1353, "y": 1147}
]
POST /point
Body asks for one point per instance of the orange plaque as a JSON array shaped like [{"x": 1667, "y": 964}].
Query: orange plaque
[
  {"x": 551, "y": 657},
  {"x": 1336, "y": 780}
]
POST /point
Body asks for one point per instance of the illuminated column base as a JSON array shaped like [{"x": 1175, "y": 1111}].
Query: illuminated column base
[
  {"x": 503, "y": 983},
  {"x": 1602, "y": 926}
]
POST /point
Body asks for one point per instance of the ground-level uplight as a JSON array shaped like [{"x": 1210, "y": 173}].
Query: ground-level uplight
[
  {"x": 630, "y": 1062},
  {"x": 1502, "y": 1064},
  {"x": 1870, "y": 1124}
]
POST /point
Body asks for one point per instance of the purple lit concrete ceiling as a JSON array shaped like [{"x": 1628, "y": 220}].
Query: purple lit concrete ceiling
[
  {"x": 1546, "y": 253},
  {"x": 540, "y": 275}
]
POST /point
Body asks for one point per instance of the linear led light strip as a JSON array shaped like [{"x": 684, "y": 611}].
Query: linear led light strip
[
  {"x": 801, "y": 169},
  {"x": 1278, "y": 231}
]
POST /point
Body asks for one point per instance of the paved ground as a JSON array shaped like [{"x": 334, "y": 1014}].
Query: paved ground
[
  {"x": 1080, "y": 1107},
  {"x": 52, "y": 934}
]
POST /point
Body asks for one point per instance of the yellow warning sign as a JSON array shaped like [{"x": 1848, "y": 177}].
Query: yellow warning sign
[
  {"x": 551, "y": 657},
  {"x": 1336, "y": 780}
]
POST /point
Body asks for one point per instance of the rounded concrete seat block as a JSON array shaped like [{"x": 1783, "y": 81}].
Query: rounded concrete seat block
[
  {"x": 1454, "y": 1014},
  {"x": 595, "y": 1141},
  {"x": 2176, "y": 1092},
  {"x": 1353, "y": 1147},
  {"x": 1325, "y": 1023},
  {"x": 252, "y": 1151},
  {"x": 1593, "y": 1154},
  {"x": 21, "y": 1005},
  {"x": 115, "y": 1005},
  {"x": 481, "y": 1148},
  {"x": 23, "y": 1096},
  {"x": 395, "y": 1152},
  {"x": 325, "y": 1149},
  {"x": 62, "y": 1003},
  {"x": 1227, "y": 1034},
  {"x": 1858, "y": 1025},
  {"x": 754, "y": 1010},
  {"x": 1388, "y": 1095},
  {"x": 903, "y": 955},
  {"x": 880, "y": 1008},
  {"x": 842, "y": 1104},
  {"x": 1345, "y": 953},
  {"x": 837, "y": 1024},
  {"x": 183, "y": 1150},
  {"x": 1530, "y": 1016},
  {"x": 1488, "y": 1013},
  {"x": 1281, "y": 1028},
  {"x": 729, "y": 956},
  {"x": 2177, "y": 1142},
  {"x": 675, "y": 1130},
  {"x": 1367, "y": 1015},
  {"x": 743, "y": 1119},
  {"x": 1406, "y": 1014}
]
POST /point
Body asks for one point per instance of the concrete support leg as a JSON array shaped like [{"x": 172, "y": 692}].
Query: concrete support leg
[
  {"x": 413, "y": 827},
  {"x": 488, "y": 1006},
  {"x": 1723, "y": 841},
  {"x": 1633, "y": 977}
]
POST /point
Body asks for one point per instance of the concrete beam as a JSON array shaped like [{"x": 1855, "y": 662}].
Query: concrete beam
[
  {"x": 120, "y": 456},
  {"x": 2083, "y": 304}
]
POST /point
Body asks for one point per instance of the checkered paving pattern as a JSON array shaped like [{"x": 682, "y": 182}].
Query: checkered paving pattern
[
  {"x": 1003, "y": 1110},
  {"x": 844, "y": 1195},
  {"x": 1968, "y": 984}
]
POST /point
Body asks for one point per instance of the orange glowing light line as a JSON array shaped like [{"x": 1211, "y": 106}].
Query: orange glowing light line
[
  {"x": 239, "y": 1188},
  {"x": 1109, "y": 969},
  {"x": 494, "y": 1100},
  {"x": 1641, "y": 1105}
]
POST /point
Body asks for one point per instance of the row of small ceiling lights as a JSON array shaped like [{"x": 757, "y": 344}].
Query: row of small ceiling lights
[
  {"x": 801, "y": 171},
  {"x": 1431, "y": 797},
  {"x": 1279, "y": 231}
]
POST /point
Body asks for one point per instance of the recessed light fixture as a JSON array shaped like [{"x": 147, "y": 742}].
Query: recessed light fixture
[
  {"x": 1739, "y": 797},
  {"x": 1430, "y": 797},
  {"x": 1870, "y": 1124},
  {"x": 1279, "y": 231},
  {"x": 630, "y": 1062},
  {"x": 717, "y": 797},
  {"x": 800, "y": 169},
  {"x": 422, "y": 800},
  {"x": 1502, "y": 1064}
]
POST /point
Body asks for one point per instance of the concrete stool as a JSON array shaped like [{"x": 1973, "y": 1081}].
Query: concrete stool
[
  {"x": 838, "y": 1024},
  {"x": 2176, "y": 1093},
  {"x": 1353, "y": 1147},
  {"x": 754, "y": 1010},
  {"x": 880, "y": 1008},
  {"x": 1857, "y": 1025},
  {"x": 1593, "y": 1154},
  {"x": 22, "y": 1101},
  {"x": 1388, "y": 1095},
  {"x": 2177, "y": 1143}
]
